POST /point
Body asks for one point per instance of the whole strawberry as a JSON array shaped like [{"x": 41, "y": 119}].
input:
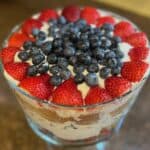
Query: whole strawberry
[
  {"x": 67, "y": 94},
  {"x": 97, "y": 95},
  {"x": 17, "y": 70},
  {"x": 38, "y": 86},
  {"x": 90, "y": 14},
  {"x": 7, "y": 54},
  {"x": 71, "y": 13},
  {"x": 139, "y": 53},
  {"x": 117, "y": 86},
  {"x": 134, "y": 70}
]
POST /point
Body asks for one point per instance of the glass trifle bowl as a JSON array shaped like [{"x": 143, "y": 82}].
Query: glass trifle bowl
[{"x": 61, "y": 120}]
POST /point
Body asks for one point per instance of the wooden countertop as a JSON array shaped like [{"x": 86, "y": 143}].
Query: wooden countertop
[{"x": 14, "y": 131}]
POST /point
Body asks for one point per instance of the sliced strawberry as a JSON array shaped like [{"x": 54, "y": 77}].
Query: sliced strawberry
[
  {"x": 106, "y": 19},
  {"x": 134, "y": 71},
  {"x": 7, "y": 54},
  {"x": 71, "y": 13},
  {"x": 17, "y": 70},
  {"x": 48, "y": 14},
  {"x": 17, "y": 39},
  {"x": 137, "y": 39},
  {"x": 139, "y": 53},
  {"x": 29, "y": 24},
  {"x": 67, "y": 94},
  {"x": 124, "y": 29},
  {"x": 38, "y": 86},
  {"x": 90, "y": 14},
  {"x": 117, "y": 86},
  {"x": 97, "y": 95}
]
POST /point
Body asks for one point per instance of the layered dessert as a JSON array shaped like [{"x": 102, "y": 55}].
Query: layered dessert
[{"x": 76, "y": 71}]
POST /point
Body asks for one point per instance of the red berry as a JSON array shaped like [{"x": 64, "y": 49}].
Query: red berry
[
  {"x": 139, "y": 53},
  {"x": 90, "y": 14},
  {"x": 106, "y": 19},
  {"x": 134, "y": 71},
  {"x": 17, "y": 70},
  {"x": 124, "y": 29},
  {"x": 97, "y": 95},
  {"x": 38, "y": 86},
  {"x": 7, "y": 54},
  {"x": 48, "y": 14},
  {"x": 137, "y": 39},
  {"x": 71, "y": 13},
  {"x": 17, "y": 39},
  {"x": 67, "y": 94},
  {"x": 29, "y": 24},
  {"x": 117, "y": 86}
]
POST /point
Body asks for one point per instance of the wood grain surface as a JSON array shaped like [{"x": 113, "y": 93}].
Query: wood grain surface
[{"x": 14, "y": 131}]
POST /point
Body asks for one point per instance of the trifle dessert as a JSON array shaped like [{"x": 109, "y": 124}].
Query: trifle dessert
[{"x": 76, "y": 72}]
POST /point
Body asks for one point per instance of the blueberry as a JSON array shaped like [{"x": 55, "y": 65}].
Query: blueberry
[
  {"x": 58, "y": 51},
  {"x": 104, "y": 72},
  {"x": 55, "y": 70},
  {"x": 46, "y": 47},
  {"x": 74, "y": 30},
  {"x": 119, "y": 62},
  {"x": 80, "y": 23},
  {"x": 73, "y": 60},
  {"x": 119, "y": 53},
  {"x": 35, "y": 32},
  {"x": 52, "y": 58},
  {"x": 34, "y": 51},
  {"x": 116, "y": 71},
  {"x": 79, "y": 78},
  {"x": 108, "y": 27},
  {"x": 65, "y": 74},
  {"x": 67, "y": 44},
  {"x": 84, "y": 36},
  {"x": 32, "y": 70},
  {"x": 78, "y": 68},
  {"x": 110, "y": 54},
  {"x": 38, "y": 43},
  {"x": 62, "y": 20},
  {"x": 56, "y": 80},
  {"x": 62, "y": 62},
  {"x": 78, "y": 52},
  {"x": 27, "y": 45},
  {"x": 98, "y": 53},
  {"x": 112, "y": 62},
  {"x": 105, "y": 43},
  {"x": 93, "y": 68},
  {"x": 41, "y": 36},
  {"x": 23, "y": 55},
  {"x": 83, "y": 45},
  {"x": 69, "y": 51},
  {"x": 84, "y": 58},
  {"x": 91, "y": 79},
  {"x": 52, "y": 31},
  {"x": 53, "y": 22},
  {"x": 117, "y": 39},
  {"x": 95, "y": 44},
  {"x": 93, "y": 38},
  {"x": 94, "y": 61},
  {"x": 57, "y": 42},
  {"x": 37, "y": 59},
  {"x": 74, "y": 37},
  {"x": 43, "y": 69}
]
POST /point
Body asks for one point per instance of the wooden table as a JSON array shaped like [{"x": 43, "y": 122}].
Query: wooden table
[{"x": 14, "y": 131}]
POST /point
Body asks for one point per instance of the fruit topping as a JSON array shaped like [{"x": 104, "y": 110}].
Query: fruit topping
[
  {"x": 134, "y": 70},
  {"x": 67, "y": 94},
  {"x": 71, "y": 13},
  {"x": 117, "y": 86},
  {"x": 48, "y": 14},
  {"x": 38, "y": 86},
  {"x": 124, "y": 29},
  {"x": 90, "y": 14},
  {"x": 29, "y": 25},
  {"x": 17, "y": 39},
  {"x": 7, "y": 54},
  {"x": 17, "y": 70},
  {"x": 97, "y": 95},
  {"x": 139, "y": 53},
  {"x": 138, "y": 39},
  {"x": 106, "y": 19}
]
